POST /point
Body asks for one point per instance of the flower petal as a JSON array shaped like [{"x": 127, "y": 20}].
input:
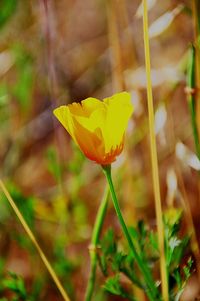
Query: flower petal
[
  {"x": 90, "y": 143},
  {"x": 119, "y": 110},
  {"x": 85, "y": 107},
  {"x": 95, "y": 121},
  {"x": 62, "y": 113}
]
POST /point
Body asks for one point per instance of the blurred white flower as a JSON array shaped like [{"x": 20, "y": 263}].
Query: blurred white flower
[
  {"x": 163, "y": 22},
  {"x": 160, "y": 118},
  {"x": 137, "y": 78},
  {"x": 136, "y": 101},
  {"x": 150, "y": 5},
  {"x": 187, "y": 156},
  {"x": 6, "y": 62},
  {"x": 171, "y": 181}
]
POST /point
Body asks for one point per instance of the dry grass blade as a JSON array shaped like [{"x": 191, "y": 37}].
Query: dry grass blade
[
  {"x": 154, "y": 158},
  {"x": 35, "y": 243}
]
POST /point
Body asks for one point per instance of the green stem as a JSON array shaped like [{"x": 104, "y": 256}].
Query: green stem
[
  {"x": 151, "y": 291},
  {"x": 94, "y": 244},
  {"x": 191, "y": 98}
]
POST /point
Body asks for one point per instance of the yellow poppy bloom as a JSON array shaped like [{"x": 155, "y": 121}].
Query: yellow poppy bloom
[{"x": 97, "y": 126}]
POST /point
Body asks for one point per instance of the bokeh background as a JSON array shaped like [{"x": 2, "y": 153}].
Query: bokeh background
[{"x": 55, "y": 52}]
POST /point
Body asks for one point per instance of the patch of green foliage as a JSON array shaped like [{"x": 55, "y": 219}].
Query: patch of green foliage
[
  {"x": 14, "y": 286},
  {"x": 119, "y": 267}
]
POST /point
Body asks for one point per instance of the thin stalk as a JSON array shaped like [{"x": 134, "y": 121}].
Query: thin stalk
[
  {"x": 191, "y": 97},
  {"x": 35, "y": 243},
  {"x": 196, "y": 19},
  {"x": 154, "y": 159},
  {"x": 151, "y": 290},
  {"x": 94, "y": 244}
]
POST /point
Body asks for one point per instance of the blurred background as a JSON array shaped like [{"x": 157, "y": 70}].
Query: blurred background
[{"x": 55, "y": 52}]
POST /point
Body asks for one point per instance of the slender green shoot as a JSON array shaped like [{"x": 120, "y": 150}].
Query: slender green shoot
[
  {"x": 151, "y": 289},
  {"x": 94, "y": 244},
  {"x": 196, "y": 19},
  {"x": 191, "y": 86}
]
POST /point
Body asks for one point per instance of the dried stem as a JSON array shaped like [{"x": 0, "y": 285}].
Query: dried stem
[
  {"x": 35, "y": 243},
  {"x": 154, "y": 159}
]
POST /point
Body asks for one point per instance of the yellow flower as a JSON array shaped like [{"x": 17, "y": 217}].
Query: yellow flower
[{"x": 96, "y": 126}]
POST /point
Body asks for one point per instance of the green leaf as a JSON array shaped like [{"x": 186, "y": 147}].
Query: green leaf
[
  {"x": 153, "y": 238},
  {"x": 113, "y": 286},
  {"x": 180, "y": 251},
  {"x": 16, "y": 285},
  {"x": 134, "y": 233},
  {"x": 7, "y": 8},
  {"x": 177, "y": 277},
  {"x": 109, "y": 249},
  {"x": 187, "y": 268},
  {"x": 108, "y": 243}
]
